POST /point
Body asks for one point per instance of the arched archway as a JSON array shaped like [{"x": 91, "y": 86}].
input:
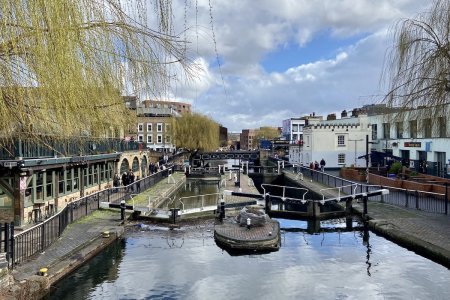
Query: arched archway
[
  {"x": 135, "y": 166},
  {"x": 124, "y": 166},
  {"x": 144, "y": 167}
]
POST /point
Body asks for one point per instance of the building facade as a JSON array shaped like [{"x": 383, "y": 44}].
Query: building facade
[
  {"x": 339, "y": 142},
  {"x": 419, "y": 139},
  {"x": 292, "y": 130},
  {"x": 248, "y": 139}
]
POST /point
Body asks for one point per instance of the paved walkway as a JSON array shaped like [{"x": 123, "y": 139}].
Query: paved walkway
[
  {"x": 71, "y": 244},
  {"x": 426, "y": 233}
]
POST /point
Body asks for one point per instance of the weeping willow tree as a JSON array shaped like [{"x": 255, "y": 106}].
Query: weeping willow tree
[
  {"x": 418, "y": 67},
  {"x": 65, "y": 63},
  {"x": 195, "y": 132}
]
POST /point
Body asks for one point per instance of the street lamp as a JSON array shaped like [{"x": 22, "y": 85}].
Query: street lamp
[{"x": 359, "y": 140}]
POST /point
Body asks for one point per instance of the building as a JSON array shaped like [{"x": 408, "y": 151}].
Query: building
[
  {"x": 420, "y": 140},
  {"x": 248, "y": 139},
  {"x": 223, "y": 136},
  {"x": 339, "y": 142},
  {"x": 234, "y": 140},
  {"x": 154, "y": 121},
  {"x": 292, "y": 130}
]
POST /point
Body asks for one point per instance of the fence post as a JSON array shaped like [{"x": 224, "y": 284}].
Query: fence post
[
  {"x": 71, "y": 213},
  {"x": 446, "y": 198},
  {"x": 365, "y": 205},
  {"x": 6, "y": 241},
  {"x": 86, "y": 209},
  {"x": 11, "y": 244},
  {"x": 222, "y": 209},
  {"x": 407, "y": 198},
  {"x": 417, "y": 199},
  {"x": 42, "y": 235}
]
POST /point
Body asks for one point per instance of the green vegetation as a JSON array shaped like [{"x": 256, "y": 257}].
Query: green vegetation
[
  {"x": 63, "y": 64},
  {"x": 418, "y": 64},
  {"x": 395, "y": 168},
  {"x": 195, "y": 131}
]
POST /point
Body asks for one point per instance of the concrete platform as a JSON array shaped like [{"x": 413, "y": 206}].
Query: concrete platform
[{"x": 230, "y": 235}]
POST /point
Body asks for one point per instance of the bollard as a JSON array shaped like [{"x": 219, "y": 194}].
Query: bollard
[
  {"x": 222, "y": 209},
  {"x": 268, "y": 203},
  {"x": 365, "y": 205},
  {"x": 122, "y": 210},
  {"x": 249, "y": 223},
  {"x": 43, "y": 272}
]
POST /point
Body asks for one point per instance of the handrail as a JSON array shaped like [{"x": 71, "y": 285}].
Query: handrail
[{"x": 284, "y": 190}]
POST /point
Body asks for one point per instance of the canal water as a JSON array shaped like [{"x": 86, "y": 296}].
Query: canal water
[
  {"x": 155, "y": 263},
  {"x": 334, "y": 259}
]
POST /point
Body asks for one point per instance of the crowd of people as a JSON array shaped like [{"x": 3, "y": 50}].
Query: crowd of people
[{"x": 315, "y": 166}]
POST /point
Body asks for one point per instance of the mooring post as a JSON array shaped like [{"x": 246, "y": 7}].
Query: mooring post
[
  {"x": 222, "y": 209},
  {"x": 365, "y": 205},
  {"x": 348, "y": 206},
  {"x": 122, "y": 210},
  {"x": 268, "y": 203}
]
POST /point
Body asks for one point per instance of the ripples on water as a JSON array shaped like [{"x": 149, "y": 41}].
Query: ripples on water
[{"x": 187, "y": 264}]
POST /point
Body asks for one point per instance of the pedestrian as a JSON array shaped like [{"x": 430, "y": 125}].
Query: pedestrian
[
  {"x": 316, "y": 165},
  {"x": 116, "y": 182},
  {"x": 311, "y": 169},
  {"x": 322, "y": 165},
  {"x": 124, "y": 179}
]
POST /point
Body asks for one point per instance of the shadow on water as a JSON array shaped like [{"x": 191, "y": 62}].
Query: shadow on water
[{"x": 101, "y": 268}]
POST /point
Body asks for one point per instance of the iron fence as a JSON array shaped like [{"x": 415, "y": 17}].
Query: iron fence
[
  {"x": 414, "y": 199},
  {"x": 36, "y": 239}
]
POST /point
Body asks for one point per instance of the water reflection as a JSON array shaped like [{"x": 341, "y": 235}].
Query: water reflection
[{"x": 334, "y": 263}]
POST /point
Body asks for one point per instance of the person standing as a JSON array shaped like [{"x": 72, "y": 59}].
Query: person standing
[{"x": 322, "y": 165}]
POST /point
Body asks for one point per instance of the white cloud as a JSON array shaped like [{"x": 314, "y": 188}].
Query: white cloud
[{"x": 246, "y": 31}]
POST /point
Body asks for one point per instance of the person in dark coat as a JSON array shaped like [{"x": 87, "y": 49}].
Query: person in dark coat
[
  {"x": 124, "y": 179},
  {"x": 322, "y": 165}
]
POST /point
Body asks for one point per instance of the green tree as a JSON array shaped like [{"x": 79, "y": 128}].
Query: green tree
[
  {"x": 418, "y": 66},
  {"x": 265, "y": 133},
  {"x": 195, "y": 132},
  {"x": 65, "y": 63}
]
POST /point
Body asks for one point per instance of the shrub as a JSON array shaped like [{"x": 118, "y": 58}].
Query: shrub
[{"x": 395, "y": 168}]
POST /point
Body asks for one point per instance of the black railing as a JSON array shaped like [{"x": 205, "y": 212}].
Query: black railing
[
  {"x": 415, "y": 199},
  {"x": 28, "y": 243},
  {"x": 51, "y": 147}
]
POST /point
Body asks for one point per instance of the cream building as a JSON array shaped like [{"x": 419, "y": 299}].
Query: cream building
[{"x": 339, "y": 142}]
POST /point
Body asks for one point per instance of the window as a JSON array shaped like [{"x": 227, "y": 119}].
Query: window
[
  {"x": 167, "y": 127},
  {"x": 159, "y": 127},
  {"x": 149, "y": 138},
  {"x": 374, "y": 132},
  {"x": 140, "y": 138},
  {"x": 341, "y": 158},
  {"x": 427, "y": 128},
  {"x": 140, "y": 127},
  {"x": 341, "y": 140},
  {"x": 167, "y": 138},
  {"x": 413, "y": 129},
  {"x": 159, "y": 139},
  {"x": 399, "y": 128},
  {"x": 295, "y": 127},
  {"x": 149, "y": 127},
  {"x": 386, "y": 130},
  {"x": 442, "y": 123}
]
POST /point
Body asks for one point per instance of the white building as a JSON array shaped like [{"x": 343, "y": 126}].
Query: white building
[
  {"x": 292, "y": 130},
  {"x": 420, "y": 139},
  {"x": 339, "y": 142}
]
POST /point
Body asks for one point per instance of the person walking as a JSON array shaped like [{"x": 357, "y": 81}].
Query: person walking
[
  {"x": 322, "y": 165},
  {"x": 311, "y": 167}
]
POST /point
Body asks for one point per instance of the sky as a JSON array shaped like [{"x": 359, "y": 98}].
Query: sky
[{"x": 263, "y": 61}]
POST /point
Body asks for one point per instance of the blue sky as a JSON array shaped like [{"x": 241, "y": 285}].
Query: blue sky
[
  {"x": 283, "y": 58},
  {"x": 322, "y": 47}
]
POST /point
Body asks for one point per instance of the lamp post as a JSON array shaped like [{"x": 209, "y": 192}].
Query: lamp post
[{"x": 359, "y": 140}]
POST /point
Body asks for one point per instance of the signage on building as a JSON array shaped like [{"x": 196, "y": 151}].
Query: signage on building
[{"x": 413, "y": 144}]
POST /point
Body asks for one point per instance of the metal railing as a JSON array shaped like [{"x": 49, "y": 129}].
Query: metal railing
[
  {"x": 37, "y": 238},
  {"x": 50, "y": 146},
  {"x": 414, "y": 199}
]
